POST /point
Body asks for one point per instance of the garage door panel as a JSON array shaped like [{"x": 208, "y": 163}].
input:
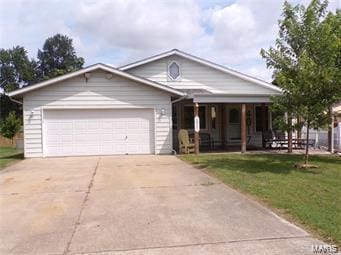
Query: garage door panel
[
  {"x": 91, "y": 139},
  {"x": 66, "y": 131},
  {"x": 52, "y": 128},
  {"x": 80, "y": 138},
  {"x": 51, "y": 132},
  {"x": 66, "y": 138},
  {"x": 108, "y": 138},
  {"x": 54, "y": 150},
  {"x": 66, "y": 125},
  {"x": 66, "y": 150},
  {"x": 107, "y": 148},
  {"x": 93, "y": 127},
  {"x": 87, "y": 149},
  {"x": 80, "y": 125},
  {"x": 119, "y": 124},
  {"x": 107, "y": 125},
  {"x": 52, "y": 138},
  {"x": 98, "y": 132},
  {"x": 144, "y": 126},
  {"x": 137, "y": 138},
  {"x": 136, "y": 149}
]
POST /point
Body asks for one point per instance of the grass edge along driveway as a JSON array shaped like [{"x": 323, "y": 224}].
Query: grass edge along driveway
[
  {"x": 310, "y": 197},
  {"x": 8, "y": 156}
]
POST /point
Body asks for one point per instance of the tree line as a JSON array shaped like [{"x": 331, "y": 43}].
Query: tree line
[{"x": 17, "y": 70}]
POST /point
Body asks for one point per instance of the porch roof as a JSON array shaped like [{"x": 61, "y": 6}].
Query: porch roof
[{"x": 230, "y": 98}]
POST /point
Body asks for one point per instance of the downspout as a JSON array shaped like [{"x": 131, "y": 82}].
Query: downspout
[{"x": 15, "y": 101}]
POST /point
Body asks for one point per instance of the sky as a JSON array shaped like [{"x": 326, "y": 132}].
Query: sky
[{"x": 116, "y": 32}]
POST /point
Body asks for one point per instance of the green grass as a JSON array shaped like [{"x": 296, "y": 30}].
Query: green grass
[
  {"x": 310, "y": 197},
  {"x": 9, "y": 155}
]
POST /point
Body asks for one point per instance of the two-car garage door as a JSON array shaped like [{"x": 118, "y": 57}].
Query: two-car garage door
[{"x": 98, "y": 132}]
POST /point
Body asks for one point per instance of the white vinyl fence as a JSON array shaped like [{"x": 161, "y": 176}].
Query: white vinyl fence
[{"x": 321, "y": 138}]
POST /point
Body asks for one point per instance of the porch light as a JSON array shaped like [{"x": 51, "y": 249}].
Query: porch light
[
  {"x": 213, "y": 112},
  {"x": 163, "y": 112},
  {"x": 31, "y": 115}
]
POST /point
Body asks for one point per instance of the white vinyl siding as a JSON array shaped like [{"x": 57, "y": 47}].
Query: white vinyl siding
[
  {"x": 197, "y": 76},
  {"x": 98, "y": 93}
]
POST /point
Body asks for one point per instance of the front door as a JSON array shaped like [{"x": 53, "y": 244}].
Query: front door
[{"x": 233, "y": 124}]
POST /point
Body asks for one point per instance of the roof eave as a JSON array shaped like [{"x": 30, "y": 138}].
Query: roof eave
[
  {"x": 92, "y": 68},
  {"x": 147, "y": 60},
  {"x": 204, "y": 62},
  {"x": 234, "y": 95}
]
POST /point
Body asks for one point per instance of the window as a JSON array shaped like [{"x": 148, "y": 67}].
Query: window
[
  {"x": 174, "y": 117},
  {"x": 189, "y": 117},
  {"x": 213, "y": 117},
  {"x": 174, "y": 71},
  {"x": 234, "y": 116},
  {"x": 262, "y": 119}
]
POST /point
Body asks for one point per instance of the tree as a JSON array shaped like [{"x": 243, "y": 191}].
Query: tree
[
  {"x": 58, "y": 57},
  {"x": 10, "y": 126},
  {"x": 306, "y": 63},
  {"x": 16, "y": 71}
]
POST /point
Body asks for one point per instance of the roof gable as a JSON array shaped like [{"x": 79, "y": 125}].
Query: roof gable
[
  {"x": 88, "y": 69},
  {"x": 204, "y": 62}
]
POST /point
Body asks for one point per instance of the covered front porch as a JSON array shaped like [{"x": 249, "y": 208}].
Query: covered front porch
[{"x": 226, "y": 123}]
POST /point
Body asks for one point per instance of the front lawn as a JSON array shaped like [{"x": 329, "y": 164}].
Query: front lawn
[
  {"x": 9, "y": 155},
  {"x": 310, "y": 197}
]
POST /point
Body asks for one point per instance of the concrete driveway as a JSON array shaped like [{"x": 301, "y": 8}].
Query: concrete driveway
[{"x": 133, "y": 205}]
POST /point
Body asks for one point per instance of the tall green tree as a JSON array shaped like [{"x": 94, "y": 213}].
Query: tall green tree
[
  {"x": 58, "y": 57},
  {"x": 306, "y": 63},
  {"x": 16, "y": 71}
]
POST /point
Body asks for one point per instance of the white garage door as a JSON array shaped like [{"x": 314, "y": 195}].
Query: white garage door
[{"x": 98, "y": 132}]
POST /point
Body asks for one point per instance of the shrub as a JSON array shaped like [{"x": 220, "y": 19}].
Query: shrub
[{"x": 10, "y": 126}]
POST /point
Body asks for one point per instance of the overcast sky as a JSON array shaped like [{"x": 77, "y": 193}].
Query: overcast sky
[{"x": 116, "y": 32}]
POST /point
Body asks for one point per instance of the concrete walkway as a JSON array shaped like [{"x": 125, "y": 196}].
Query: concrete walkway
[{"x": 133, "y": 205}]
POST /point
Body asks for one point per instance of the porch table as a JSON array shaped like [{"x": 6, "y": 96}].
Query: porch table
[
  {"x": 297, "y": 143},
  {"x": 301, "y": 143}
]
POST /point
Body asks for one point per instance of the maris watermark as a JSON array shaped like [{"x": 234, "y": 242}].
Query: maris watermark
[{"x": 324, "y": 249}]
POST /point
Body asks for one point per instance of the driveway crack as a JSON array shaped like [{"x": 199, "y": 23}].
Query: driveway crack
[
  {"x": 86, "y": 197},
  {"x": 197, "y": 244}
]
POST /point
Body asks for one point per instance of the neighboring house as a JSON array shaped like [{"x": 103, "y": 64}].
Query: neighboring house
[
  {"x": 321, "y": 136},
  {"x": 337, "y": 127},
  {"x": 337, "y": 113},
  {"x": 139, "y": 108}
]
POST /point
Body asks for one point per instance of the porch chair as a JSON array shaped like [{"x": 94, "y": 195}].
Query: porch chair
[
  {"x": 205, "y": 142},
  {"x": 267, "y": 137},
  {"x": 186, "y": 145},
  {"x": 280, "y": 139}
]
